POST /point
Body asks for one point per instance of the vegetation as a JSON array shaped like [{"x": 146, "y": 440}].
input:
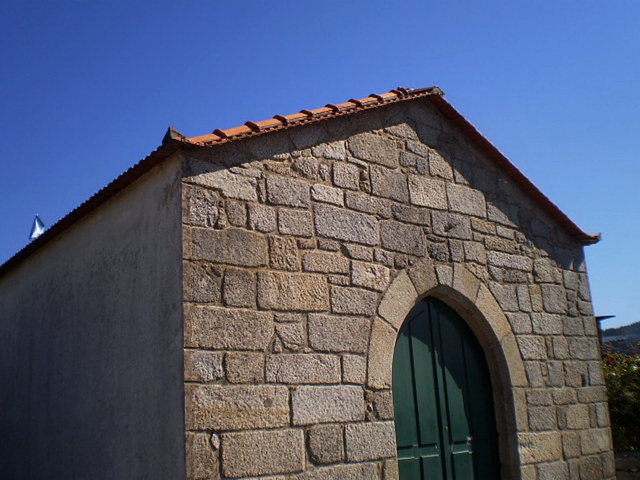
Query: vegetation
[{"x": 622, "y": 377}]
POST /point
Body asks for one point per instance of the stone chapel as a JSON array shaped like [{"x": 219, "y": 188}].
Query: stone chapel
[{"x": 367, "y": 290}]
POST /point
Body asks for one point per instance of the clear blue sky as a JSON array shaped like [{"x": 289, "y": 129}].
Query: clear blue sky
[{"x": 89, "y": 87}]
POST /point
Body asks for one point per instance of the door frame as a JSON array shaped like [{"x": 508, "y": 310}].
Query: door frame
[{"x": 473, "y": 301}]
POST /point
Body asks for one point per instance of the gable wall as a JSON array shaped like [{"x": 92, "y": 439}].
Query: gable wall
[
  {"x": 290, "y": 243},
  {"x": 90, "y": 344}
]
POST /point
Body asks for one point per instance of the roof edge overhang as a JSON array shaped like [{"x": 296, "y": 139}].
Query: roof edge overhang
[
  {"x": 519, "y": 178},
  {"x": 174, "y": 141},
  {"x": 169, "y": 146}
]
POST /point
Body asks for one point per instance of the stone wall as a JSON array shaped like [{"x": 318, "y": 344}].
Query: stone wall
[{"x": 302, "y": 251}]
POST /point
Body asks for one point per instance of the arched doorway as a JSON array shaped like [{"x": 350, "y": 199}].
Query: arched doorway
[{"x": 442, "y": 396}]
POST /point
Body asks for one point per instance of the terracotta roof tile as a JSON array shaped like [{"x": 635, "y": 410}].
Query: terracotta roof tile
[{"x": 174, "y": 141}]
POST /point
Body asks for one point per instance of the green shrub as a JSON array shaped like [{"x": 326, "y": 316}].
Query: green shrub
[{"x": 622, "y": 377}]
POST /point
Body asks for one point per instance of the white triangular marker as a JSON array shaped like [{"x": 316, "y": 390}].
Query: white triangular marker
[{"x": 37, "y": 228}]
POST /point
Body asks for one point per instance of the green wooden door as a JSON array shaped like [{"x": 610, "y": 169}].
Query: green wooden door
[{"x": 445, "y": 420}]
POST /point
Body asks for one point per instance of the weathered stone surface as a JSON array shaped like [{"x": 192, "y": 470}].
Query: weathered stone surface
[
  {"x": 418, "y": 148},
  {"x": 439, "y": 167},
  {"x": 595, "y": 440},
  {"x": 505, "y": 260},
  {"x": 290, "y": 317},
  {"x": 553, "y": 471},
  {"x": 327, "y": 194},
  {"x": 545, "y": 271},
  {"x": 354, "y": 471},
  {"x": 520, "y": 322},
  {"x": 505, "y": 295},
  {"x": 540, "y": 447},
  {"x": 524, "y": 298},
  {"x": 572, "y": 417},
  {"x": 390, "y": 469},
  {"x": 227, "y": 329},
  {"x": 218, "y": 177},
  {"x": 407, "y": 214},
  {"x": 374, "y": 148},
  {"x": 262, "y": 452},
  {"x": 239, "y": 288},
  {"x": 451, "y": 225},
  {"x": 554, "y": 298},
  {"x": 366, "y": 203},
  {"x": 410, "y": 160},
  {"x": 403, "y": 238},
  {"x": 325, "y": 262},
  {"x": 328, "y": 244},
  {"x": 307, "y": 167},
  {"x": 427, "y": 192},
  {"x": 542, "y": 418},
  {"x": 340, "y": 224},
  {"x": 200, "y": 206},
  {"x": 382, "y": 404},
  {"x": 297, "y": 368},
  {"x": 328, "y": 404},
  {"x": 232, "y": 246},
  {"x": 532, "y": 347},
  {"x": 295, "y": 222},
  {"x": 402, "y": 130},
  {"x": 287, "y": 191},
  {"x": 244, "y": 367},
  {"x": 583, "y": 348},
  {"x": 283, "y": 253},
  {"x": 292, "y": 291},
  {"x": 330, "y": 150},
  {"x": 370, "y": 441},
  {"x": 202, "y": 366},
  {"x": 262, "y": 217},
  {"x": 202, "y": 282},
  {"x": 236, "y": 213},
  {"x": 202, "y": 461},
  {"x": 236, "y": 407},
  {"x": 308, "y": 136},
  {"x": 463, "y": 199},
  {"x": 389, "y": 184},
  {"x": 346, "y": 175},
  {"x": 358, "y": 252},
  {"x": 571, "y": 444},
  {"x": 326, "y": 444},
  {"x": 383, "y": 340},
  {"x": 547, "y": 324},
  {"x": 329, "y": 333},
  {"x": 354, "y": 369},
  {"x": 342, "y": 280},
  {"x": 560, "y": 347},
  {"x": 292, "y": 335},
  {"x": 369, "y": 275},
  {"x": 355, "y": 301},
  {"x": 590, "y": 468},
  {"x": 398, "y": 300},
  {"x": 423, "y": 276}
]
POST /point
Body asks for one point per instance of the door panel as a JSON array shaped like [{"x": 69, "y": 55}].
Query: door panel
[{"x": 445, "y": 421}]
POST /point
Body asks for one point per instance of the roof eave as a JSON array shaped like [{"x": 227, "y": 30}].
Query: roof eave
[
  {"x": 526, "y": 185},
  {"x": 171, "y": 143}
]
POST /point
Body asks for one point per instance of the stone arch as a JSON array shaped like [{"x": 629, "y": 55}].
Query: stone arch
[{"x": 473, "y": 300}]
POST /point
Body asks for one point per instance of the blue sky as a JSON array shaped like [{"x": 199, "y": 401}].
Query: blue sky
[{"x": 88, "y": 88}]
